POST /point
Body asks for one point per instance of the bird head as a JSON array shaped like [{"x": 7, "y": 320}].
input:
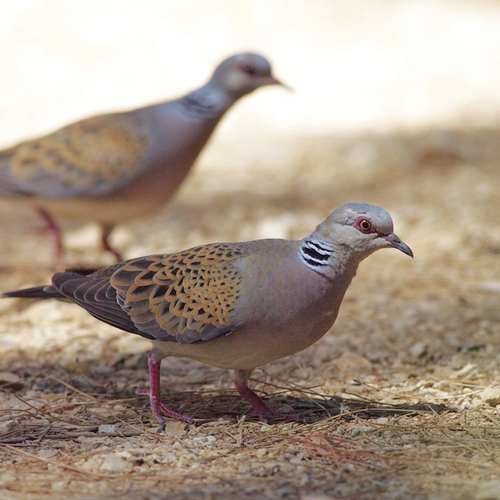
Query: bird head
[
  {"x": 243, "y": 73},
  {"x": 359, "y": 229}
]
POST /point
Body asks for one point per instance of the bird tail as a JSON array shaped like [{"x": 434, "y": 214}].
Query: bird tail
[
  {"x": 36, "y": 292},
  {"x": 45, "y": 291}
]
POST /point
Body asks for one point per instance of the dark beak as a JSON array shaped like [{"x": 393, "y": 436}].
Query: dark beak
[
  {"x": 271, "y": 80},
  {"x": 396, "y": 242}
]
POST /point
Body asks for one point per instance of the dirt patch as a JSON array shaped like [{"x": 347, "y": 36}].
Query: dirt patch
[{"x": 398, "y": 401}]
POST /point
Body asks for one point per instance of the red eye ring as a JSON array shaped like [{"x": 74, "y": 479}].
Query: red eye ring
[
  {"x": 364, "y": 225},
  {"x": 248, "y": 67}
]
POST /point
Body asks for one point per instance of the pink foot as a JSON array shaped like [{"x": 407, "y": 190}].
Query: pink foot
[
  {"x": 260, "y": 409},
  {"x": 159, "y": 408}
]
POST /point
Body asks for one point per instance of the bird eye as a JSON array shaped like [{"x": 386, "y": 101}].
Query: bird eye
[
  {"x": 248, "y": 67},
  {"x": 365, "y": 225}
]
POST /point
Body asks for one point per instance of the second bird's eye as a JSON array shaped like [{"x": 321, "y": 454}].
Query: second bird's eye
[{"x": 248, "y": 68}]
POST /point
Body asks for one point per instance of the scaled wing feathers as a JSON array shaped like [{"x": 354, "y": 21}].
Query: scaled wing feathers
[
  {"x": 89, "y": 158},
  {"x": 186, "y": 297}
]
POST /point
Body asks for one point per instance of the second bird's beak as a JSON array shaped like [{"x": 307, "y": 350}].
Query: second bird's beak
[
  {"x": 274, "y": 81},
  {"x": 396, "y": 242}
]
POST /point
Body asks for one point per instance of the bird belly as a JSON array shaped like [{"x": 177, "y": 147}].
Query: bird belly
[
  {"x": 142, "y": 197},
  {"x": 254, "y": 346}
]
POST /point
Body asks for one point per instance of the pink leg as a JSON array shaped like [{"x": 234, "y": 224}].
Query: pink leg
[
  {"x": 105, "y": 244},
  {"x": 55, "y": 230},
  {"x": 157, "y": 407},
  {"x": 260, "y": 409}
]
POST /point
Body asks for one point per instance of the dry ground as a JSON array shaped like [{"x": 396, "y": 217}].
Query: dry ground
[{"x": 397, "y": 401}]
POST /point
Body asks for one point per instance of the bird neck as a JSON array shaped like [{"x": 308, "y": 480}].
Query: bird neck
[
  {"x": 315, "y": 254},
  {"x": 208, "y": 102},
  {"x": 322, "y": 257}
]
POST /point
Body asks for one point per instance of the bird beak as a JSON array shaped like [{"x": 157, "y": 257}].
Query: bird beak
[
  {"x": 271, "y": 80},
  {"x": 396, "y": 242}
]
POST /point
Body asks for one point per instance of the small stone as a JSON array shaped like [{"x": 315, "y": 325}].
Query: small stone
[
  {"x": 88, "y": 439},
  {"x": 463, "y": 372},
  {"x": 297, "y": 459},
  {"x": 6, "y": 426},
  {"x": 174, "y": 428},
  {"x": 418, "y": 350},
  {"x": 9, "y": 378},
  {"x": 45, "y": 453},
  {"x": 90, "y": 464},
  {"x": 491, "y": 396},
  {"x": 490, "y": 287},
  {"x": 358, "y": 429},
  {"x": 206, "y": 440},
  {"x": 107, "y": 429},
  {"x": 59, "y": 485},
  {"x": 114, "y": 463}
]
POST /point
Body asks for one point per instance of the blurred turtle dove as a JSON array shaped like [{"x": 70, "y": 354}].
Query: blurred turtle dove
[
  {"x": 114, "y": 167},
  {"x": 232, "y": 305}
]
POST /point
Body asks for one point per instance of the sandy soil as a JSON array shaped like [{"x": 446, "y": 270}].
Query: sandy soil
[{"x": 398, "y": 401}]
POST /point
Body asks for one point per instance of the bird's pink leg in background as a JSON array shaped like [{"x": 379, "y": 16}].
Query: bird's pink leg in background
[
  {"x": 106, "y": 246},
  {"x": 54, "y": 229}
]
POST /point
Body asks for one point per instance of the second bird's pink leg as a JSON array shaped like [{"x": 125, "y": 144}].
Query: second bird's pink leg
[
  {"x": 106, "y": 245},
  {"x": 54, "y": 229}
]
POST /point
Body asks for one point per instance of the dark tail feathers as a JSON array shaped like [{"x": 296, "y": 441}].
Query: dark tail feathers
[{"x": 36, "y": 292}]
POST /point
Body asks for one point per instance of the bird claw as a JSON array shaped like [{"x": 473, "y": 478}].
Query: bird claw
[{"x": 158, "y": 407}]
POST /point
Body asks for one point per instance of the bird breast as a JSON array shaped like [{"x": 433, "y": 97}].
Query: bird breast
[{"x": 283, "y": 307}]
